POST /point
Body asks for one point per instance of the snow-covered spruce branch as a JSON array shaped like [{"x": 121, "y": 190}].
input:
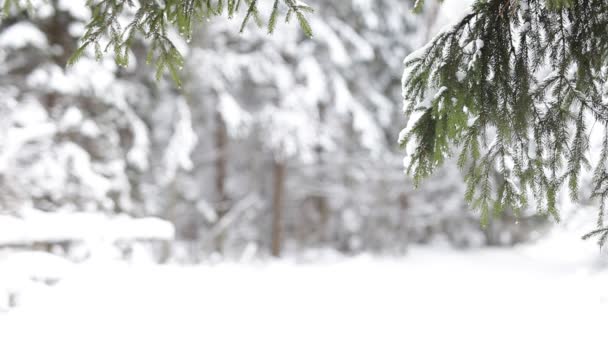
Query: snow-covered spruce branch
[
  {"x": 106, "y": 30},
  {"x": 524, "y": 75}
]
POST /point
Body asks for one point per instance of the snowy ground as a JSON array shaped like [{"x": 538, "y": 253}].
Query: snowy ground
[{"x": 556, "y": 290}]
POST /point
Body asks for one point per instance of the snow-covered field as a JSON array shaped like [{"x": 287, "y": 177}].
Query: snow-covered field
[{"x": 555, "y": 290}]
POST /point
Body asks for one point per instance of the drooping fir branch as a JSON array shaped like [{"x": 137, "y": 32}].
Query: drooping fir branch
[
  {"x": 514, "y": 88},
  {"x": 115, "y": 24}
]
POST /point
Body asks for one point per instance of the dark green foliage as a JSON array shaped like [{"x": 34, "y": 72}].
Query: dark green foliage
[
  {"x": 106, "y": 31},
  {"x": 529, "y": 76}
]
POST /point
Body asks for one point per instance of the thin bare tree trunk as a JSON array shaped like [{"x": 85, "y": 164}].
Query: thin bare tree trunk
[
  {"x": 221, "y": 173},
  {"x": 320, "y": 200},
  {"x": 221, "y": 146},
  {"x": 402, "y": 227},
  {"x": 279, "y": 170}
]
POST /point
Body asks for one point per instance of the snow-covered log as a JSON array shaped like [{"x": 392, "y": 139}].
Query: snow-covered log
[{"x": 40, "y": 227}]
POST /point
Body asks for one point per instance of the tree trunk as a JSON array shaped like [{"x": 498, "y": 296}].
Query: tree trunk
[
  {"x": 221, "y": 146},
  {"x": 279, "y": 170},
  {"x": 402, "y": 225},
  {"x": 320, "y": 200},
  {"x": 56, "y": 28},
  {"x": 221, "y": 173}
]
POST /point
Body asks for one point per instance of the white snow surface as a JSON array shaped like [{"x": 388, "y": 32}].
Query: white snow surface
[
  {"x": 19, "y": 270},
  {"x": 553, "y": 290},
  {"x": 37, "y": 226}
]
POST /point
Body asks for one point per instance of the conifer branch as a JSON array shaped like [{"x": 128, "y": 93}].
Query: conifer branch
[
  {"x": 153, "y": 20},
  {"x": 527, "y": 75}
]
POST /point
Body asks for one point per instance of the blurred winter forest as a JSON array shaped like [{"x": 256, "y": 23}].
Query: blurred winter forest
[
  {"x": 269, "y": 184},
  {"x": 274, "y": 143}
]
